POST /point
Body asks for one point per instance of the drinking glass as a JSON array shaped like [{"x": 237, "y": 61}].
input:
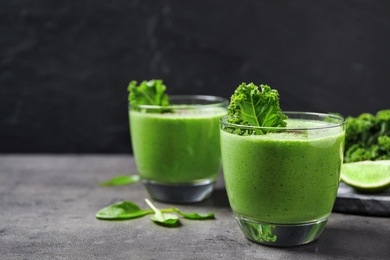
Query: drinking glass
[
  {"x": 282, "y": 182},
  {"x": 177, "y": 147}
]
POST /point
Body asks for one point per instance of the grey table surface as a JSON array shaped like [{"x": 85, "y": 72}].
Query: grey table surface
[{"x": 48, "y": 205}]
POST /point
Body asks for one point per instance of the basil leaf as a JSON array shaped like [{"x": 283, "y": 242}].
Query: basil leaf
[
  {"x": 163, "y": 218},
  {"x": 121, "y": 180},
  {"x": 122, "y": 210},
  {"x": 194, "y": 215}
]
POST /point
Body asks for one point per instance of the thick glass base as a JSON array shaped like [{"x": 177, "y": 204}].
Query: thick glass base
[
  {"x": 179, "y": 193},
  {"x": 281, "y": 234}
]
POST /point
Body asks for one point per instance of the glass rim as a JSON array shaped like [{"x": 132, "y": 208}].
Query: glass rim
[
  {"x": 286, "y": 128},
  {"x": 217, "y": 101}
]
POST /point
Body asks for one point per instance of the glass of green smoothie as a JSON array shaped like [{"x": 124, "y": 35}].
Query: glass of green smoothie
[
  {"x": 177, "y": 146},
  {"x": 282, "y": 182}
]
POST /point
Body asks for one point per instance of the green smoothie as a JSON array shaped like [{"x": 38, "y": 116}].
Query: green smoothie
[
  {"x": 177, "y": 147},
  {"x": 284, "y": 178}
]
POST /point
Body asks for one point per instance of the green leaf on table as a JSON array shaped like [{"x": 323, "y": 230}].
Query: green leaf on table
[
  {"x": 128, "y": 210},
  {"x": 122, "y": 210},
  {"x": 195, "y": 215},
  {"x": 121, "y": 180},
  {"x": 162, "y": 218}
]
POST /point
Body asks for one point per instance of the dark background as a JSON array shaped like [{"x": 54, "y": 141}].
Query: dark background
[{"x": 65, "y": 65}]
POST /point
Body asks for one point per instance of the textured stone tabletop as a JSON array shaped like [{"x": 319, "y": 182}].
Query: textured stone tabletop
[{"x": 48, "y": 205}]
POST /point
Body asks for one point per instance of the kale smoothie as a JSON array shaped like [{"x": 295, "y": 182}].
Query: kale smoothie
[
  {"x": 176, "y": 142},
  {"x": 282, "y": 170},
  {"x": 284, "y": 177},
  {"x": 180, "y": 146}
]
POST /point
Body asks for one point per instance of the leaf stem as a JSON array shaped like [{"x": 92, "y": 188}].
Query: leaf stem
[
  {"x": 156, "y": 210},
  {"x": 162, "y": 211}
]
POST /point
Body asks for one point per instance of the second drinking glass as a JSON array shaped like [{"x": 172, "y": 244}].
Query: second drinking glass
[{"x": 177, "y": 147}]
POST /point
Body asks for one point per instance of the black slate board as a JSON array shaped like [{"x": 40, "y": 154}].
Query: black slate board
[{"x": 350, "y": 201}]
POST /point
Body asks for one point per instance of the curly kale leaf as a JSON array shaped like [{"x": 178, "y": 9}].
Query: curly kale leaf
[
  {"x": 252, "y": 107},
  {"x": 383, "y": 122},
  {"x": 358, "y": 153},
  {"x": 148, "y": 93},
  {"x": 367, "y": 137},
  {"x": 384, "y": 144},
  {"x": 359, "y": 130}
]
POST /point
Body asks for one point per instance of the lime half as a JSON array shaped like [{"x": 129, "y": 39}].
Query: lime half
[{"x": 367, "y": 176}]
